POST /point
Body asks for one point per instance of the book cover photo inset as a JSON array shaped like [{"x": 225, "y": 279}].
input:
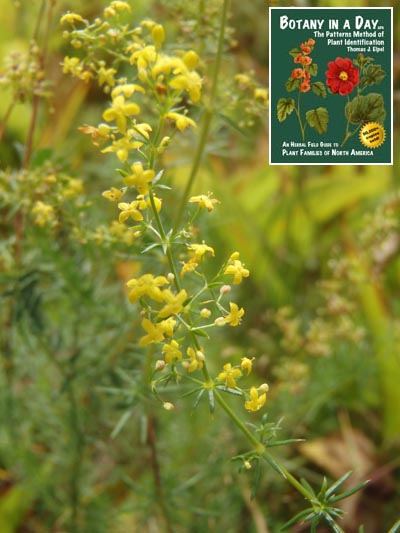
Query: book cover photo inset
[{"x": 330, "y": 86}]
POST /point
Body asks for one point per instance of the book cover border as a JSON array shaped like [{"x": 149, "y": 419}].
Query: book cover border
[{"x": 271, "y": 109}]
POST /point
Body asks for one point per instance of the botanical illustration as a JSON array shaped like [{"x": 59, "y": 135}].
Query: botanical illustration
[
  {"x": 345, "y": 76},
  {"x": 300, "y": 80}
]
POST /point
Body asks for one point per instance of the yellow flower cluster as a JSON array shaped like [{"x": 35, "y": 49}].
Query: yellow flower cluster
[{"x": 170, "y": 82}]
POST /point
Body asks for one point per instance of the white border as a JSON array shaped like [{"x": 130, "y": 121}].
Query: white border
[{"x": 358, "y": 8}]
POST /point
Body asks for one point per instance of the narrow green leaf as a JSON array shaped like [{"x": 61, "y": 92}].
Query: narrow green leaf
[
  {"x": 211, "y": 400},
  {"x": 322, "y": 492},
  {"x": 200, "y": 332},
  {"x": 308, "y": 487},
  {"x": 299, "y": 517},
  {"x": 339, "y": 482},
  {"x": 121, "y": 423},
  {"x": 199, "y": 397},
  {"x": 348, "y": 493}
]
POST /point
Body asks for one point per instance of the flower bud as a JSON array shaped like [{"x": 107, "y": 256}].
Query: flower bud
[
  {"x": 205, "y": 313},
  {"x": 263, "y": 388},
  {"x": 160, "y": 365},
  {"x": 158, "y": 35},
  {"x": 225, "y": 289},
  {"x": 168, "y": 406},
  {"x": 220, "y": 321}
]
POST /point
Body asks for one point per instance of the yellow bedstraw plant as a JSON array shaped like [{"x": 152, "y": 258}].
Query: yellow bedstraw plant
[{"x": 185, "y": 292}]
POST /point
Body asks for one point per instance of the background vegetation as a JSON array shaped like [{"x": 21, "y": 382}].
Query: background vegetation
[{"x": 84, "y": 445}]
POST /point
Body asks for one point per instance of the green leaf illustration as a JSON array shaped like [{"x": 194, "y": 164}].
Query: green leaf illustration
[
  {"x": 373, "y": 74},
  {"x": 292, "y": 84},
  {"x": 362, "y": 61},
  {"x": 318, "y": 119},
  {"x": 319, "y": 89},
  {"x": 368, "y": 108},
  {"x": 295, "y": 52},
  {"x": 312, "y": 69},
  {"x": 285, "y": 107}
]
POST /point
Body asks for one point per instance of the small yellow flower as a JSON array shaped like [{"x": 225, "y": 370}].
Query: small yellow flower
[
  {"x": 129, "y": 211},
  {"x": 247, "y": 364},
  {"x": 156, "y": 332},
  {"x": 229, "y": 375},
  {"x": 120, "y": 6},
  {"x": 261, "y": 94},
  {"x": 140, "y": 178},
  {"x": 174, "y": 303},
  {"x": 142, "y": 129},
  {"x": 187, "y": 80},
  {"x": 243, "y": 80},
  {"x": 196, "y": 361},
  {"x": 71, "y": 18},
  {"x": 191, "y": 59},
  {"x": 205, "y": 202},
  {"x": 181, "y": 121},
  {"x": 73, "y": 188},
  {"x": 113, "y": 194},
  {"x": 236, "y": 269},
  {"x": 234, "y": 317},
  {"x": 158, "y": 35},
  {"x": 146, "y": 285},
  {"x": 190, "y": 266},
  {"x": 122, "y": 147},
  {"x": 199, "y": 250},
  {"x": 106, "y": 76},
  {"x": 44, "y": 213},
  {"x": 70, "y": 65},
  {"x": 119, "y": 111},
  {"x": 256, "y": 402},
  {"x": 127, "y": 89},
  {"x": 171, "y": 352},
  {"x": 163, "y": 66},
  {"x": 143, "y": 58},
  {"x": 102, "y": 132}
]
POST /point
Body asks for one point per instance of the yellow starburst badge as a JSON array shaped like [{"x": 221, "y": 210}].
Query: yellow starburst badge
[{"x": 372, "y": 135}]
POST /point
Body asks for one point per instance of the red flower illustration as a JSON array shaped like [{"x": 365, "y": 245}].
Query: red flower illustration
[{"x": 342, "y": 76}]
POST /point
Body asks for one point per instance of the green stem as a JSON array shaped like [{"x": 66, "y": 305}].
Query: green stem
[
  {"x": 298, "y": 113},
  {"x": 207, "y": 116},
  {"x": 260, "y": 448}
]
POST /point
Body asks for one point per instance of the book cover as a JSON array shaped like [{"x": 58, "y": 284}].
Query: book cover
[{"x": 330, "y": 84}]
